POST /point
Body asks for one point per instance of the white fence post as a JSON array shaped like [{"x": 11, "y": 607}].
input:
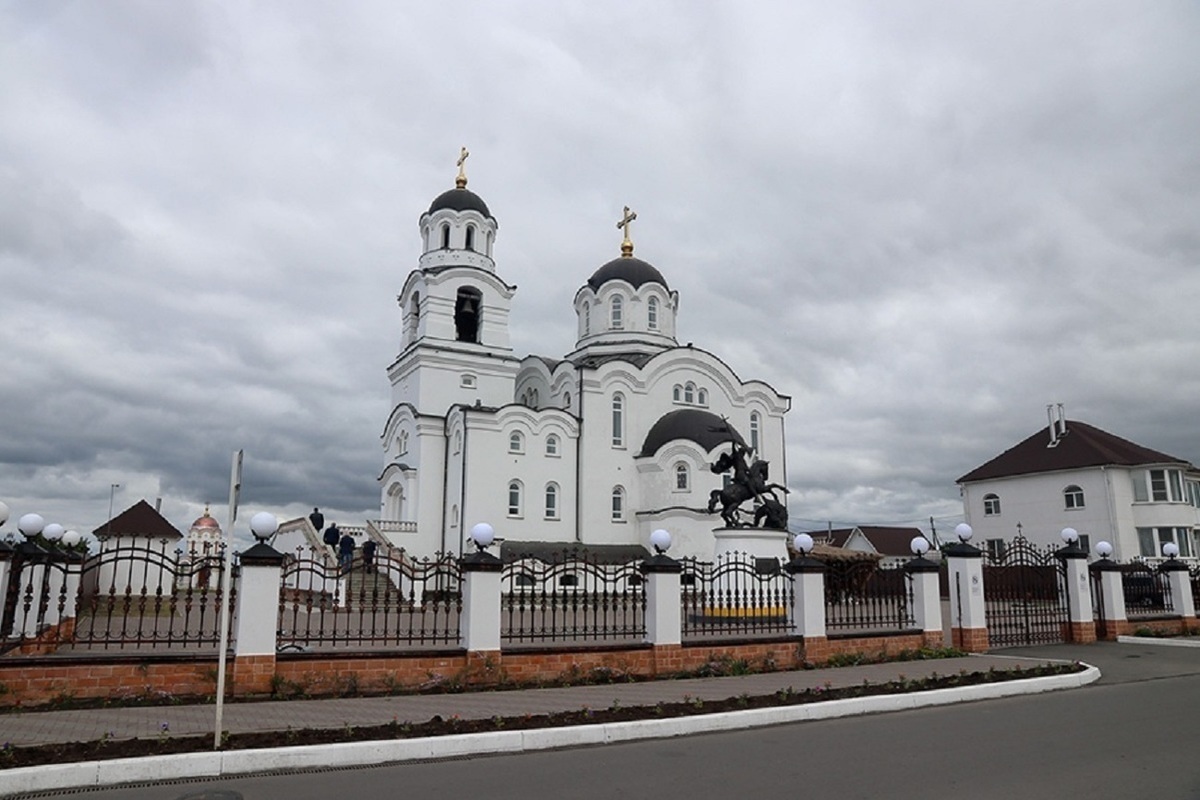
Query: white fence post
[
  {"x": 1181, "y": 590},
  {"x": 1107, "y": 576},
  {"x": 480, "y": 621},
  {"x": 257, "y": 619},
  {"x": 968, "y": 614},
  {"x": 1079, "y": 594},
  {"x": 664, "y": 606},
  {"x": 808, "y": 607},
  {"x": 927, "y": 601}
]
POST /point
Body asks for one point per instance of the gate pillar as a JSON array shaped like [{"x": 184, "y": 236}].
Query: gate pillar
[
  {"x": 1081, "y": 619},
  {"x": 1181, "y": 591},
  {"x": 481, "y": 602},
  {"x": 1107, "y": 575},
  {"x": 6, "y": 559},
  {"x": 257, "y": 619},
  {"x": 927, "y": 601},
  {"x": 808, "y": 607},
  {"x": 968, "y": 616}
]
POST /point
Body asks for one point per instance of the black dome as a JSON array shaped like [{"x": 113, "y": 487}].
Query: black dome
[
  {"x": 630, "y": 269},
  {"x": 459, "y": 200},
  {"x": 702, "y": 427}
]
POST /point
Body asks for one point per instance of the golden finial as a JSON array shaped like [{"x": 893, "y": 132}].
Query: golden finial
[
  {"x": 461, "y": 181},
  {"x": 627, "y": 245}
]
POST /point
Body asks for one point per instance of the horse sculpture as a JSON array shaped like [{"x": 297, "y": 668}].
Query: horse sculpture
[{"x": 747, "y": 482}]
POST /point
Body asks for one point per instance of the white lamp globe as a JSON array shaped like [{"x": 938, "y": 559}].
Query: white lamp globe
[
  {"x": 1069, "y": 535},
  {"x": 3, "y": 512},
  {"x": 1170, "y": 549},
  {"x": 1103, "y": 549},
  {"x": 964, "y": 532},
  {"x": 71, "y": 538},
  {"x": 53, "y": 532},
  {"x": 483, "y": 534},
  {"x": 31, "y": 525},
  {"x": 661, "y": 540},
  {"x": 919, "y": 545},
  {"x": 263, "y": 525},
  {"x": 803, "y": 543}
]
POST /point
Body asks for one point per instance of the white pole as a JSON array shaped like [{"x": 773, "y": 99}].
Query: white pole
[{"x": 235, "y": 488}]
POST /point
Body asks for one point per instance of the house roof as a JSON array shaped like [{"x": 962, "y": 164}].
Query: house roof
[
  {"x": 1082, "y": 445},
  {"x": 887, "y": 540},
  {"x": 139, "y": 519}
]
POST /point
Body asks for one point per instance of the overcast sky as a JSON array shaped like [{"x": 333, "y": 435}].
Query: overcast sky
[{"x": 923, "y": 221}]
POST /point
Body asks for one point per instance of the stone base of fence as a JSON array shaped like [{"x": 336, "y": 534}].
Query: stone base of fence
[
  {"x": 1079, "y": 632},
  {"x": 49, "y": 639},
  {"x": 36, "y": 681},
  {"x": 973, "y": 640},
  {"x": 252, "y": 675},
  {"x": 1163, "y": 626}
]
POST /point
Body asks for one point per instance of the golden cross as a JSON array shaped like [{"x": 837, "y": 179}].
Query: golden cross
[
  {"x": 626, "y": 218},
  {"x": 461, "y": 180}
]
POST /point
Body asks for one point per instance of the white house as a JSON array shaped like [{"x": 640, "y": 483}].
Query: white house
[
  {"x": 598, "y": 447},
  {"x": 1071, "y": 474},
  {"x": 892, "y": 544}
]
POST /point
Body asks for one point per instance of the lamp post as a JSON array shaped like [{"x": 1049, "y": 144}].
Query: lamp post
[{"x": 112, "y": 489}]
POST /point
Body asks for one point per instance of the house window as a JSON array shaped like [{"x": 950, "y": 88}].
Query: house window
[
  {"x": 991, "y": 505},
  {"x": 516, "y": 442},
  {"x": 569, "y": 579},
  {"x": 618, "y": 420},
  {"x": 755, "y": 424},
  {"x": 551, "y": 501},
  {"x": 1138, "y": 479},
  {"x": 618, "y": 503},
  {"x": 1073, "y": 497},
  {"x": 514, "y": 498},
  {"x": 523, "y": 579},
  {"x": 652, "y": 314},
  {"x": 996, "y": 548},
  {"x": 616, "y": 320},
  {"x": 1085, "y": 542},
  {"x": 1158, "y": 485},
  {"x": 1146, "y": 546},
  {"x": 1165, "y": 485},
  {"x": 681, "y": 477},
  {"x": 552, "y": 445}
]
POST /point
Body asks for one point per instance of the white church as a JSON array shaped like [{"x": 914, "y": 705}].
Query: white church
[{"x": 597, "y": 447}]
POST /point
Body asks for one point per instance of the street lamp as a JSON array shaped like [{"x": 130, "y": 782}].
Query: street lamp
[
  {"x": 964, "y": 532},
  {"x": 71, "y": 538},
  {"x": 919, "y": 546},
  {"x": 483, "y": 535},
  {"x": 803, "y": 543},
  {"x": 661, "y": 541},
  {"x": 263, "y": 525},
  {"x": 1170, "y": 550},
  {"x": 31, "y": 525},
  {"x": 1104, "y": 549},
  {"x": 53, "y": 532}
]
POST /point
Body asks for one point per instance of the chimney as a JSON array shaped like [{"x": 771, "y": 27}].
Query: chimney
[
  {"x": 1052, "y": 427},
  {"x": 158, "y": 504},
  {"x": 1062, "y": 420}
]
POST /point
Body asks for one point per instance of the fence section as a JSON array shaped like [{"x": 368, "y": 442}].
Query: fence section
[
  {"x": 1147, "y": 592},
  {"x": 859, "y": 596},
  {"x": 389, "y": 599},
  {"x": 735, "y": 595},
  {"x": 575, "y": 598}
]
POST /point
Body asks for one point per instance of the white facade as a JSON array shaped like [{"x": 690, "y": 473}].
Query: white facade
[
  {"x": 1137, "y": 505},
  {"x": 581, "y": 448}
]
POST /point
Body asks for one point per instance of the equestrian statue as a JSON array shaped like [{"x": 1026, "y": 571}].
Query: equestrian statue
[{"x": 748, "y": 482}]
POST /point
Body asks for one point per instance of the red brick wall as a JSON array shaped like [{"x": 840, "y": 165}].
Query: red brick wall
[
  {"x": 973, "y": 640},
  {"x": 37, "y": 682}
]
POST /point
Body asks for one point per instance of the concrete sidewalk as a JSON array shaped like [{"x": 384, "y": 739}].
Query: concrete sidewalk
[{"x": 44, "y": 727}]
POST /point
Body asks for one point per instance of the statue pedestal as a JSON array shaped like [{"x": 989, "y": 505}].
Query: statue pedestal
[{"x": 752, "y": 542}]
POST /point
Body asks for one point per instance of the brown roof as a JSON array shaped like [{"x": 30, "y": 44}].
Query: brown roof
[
  {"x": 887, "y": 540},
  {"x": 139, "y": 519},
  {"x": 1082, "y": 445}
]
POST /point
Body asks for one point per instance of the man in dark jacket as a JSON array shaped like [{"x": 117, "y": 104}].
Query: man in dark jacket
[
  {"x": 332, "y": 535},
  {"x": 317, "y": 519},
  {"x": 368, "y": 550},
  {"x": 346, "y": 552}
]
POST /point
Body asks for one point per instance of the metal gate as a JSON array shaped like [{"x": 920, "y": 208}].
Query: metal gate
[{"x": 1024, "y": 595}]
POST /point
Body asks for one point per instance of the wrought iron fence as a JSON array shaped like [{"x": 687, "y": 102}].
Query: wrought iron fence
[
  {"x": 1147, "y": 591},
  {"x": 736, "y": 595},
  {"x": 142, "y": 596},
  {"x": 390, "y": 599},
  {"x": 859, "y": 596},
  {"x": 575, "y": 598},
  {"x": 1194, "y": 577}
]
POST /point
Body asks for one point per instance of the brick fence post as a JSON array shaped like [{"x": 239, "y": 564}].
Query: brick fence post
[
  {"x": 1181, "y": 591},
  {"x": 1082, "y": 621},
  {"x": 481, "y": 605},
  {"x": 808, "y": 607},
  {"x": 927, "y": 600},
  {"x": 257, "y": 615},
  {"x": 1107, "y": 575},
  {"x": 664, "y": 612},
  {"x": 968, "y": 616}
]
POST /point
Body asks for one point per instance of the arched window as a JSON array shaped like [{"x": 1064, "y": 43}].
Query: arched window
[
  {"x": 1073, "y": 497},
  {"x": 446, "y": 236},
  {"x": 652, "y": 314},
  {"x": 682, "y": 481},
  {"x": 552, "y": 445},
  {"x": 567, "y": 401},
  {"x": 468, "y": 311},
  {"x": 414, "y": 318},
  {"x": 551, "y": 501},
  {"x": 514, "y": 498},
  {"x": 402, "y": 443},
  {"x": 618, "y": 503},
  {"x": 618, "y": 420},
  {"x": 457, "y": 442},
  {"x": 516, "y": 442},
  {"x": 587, "y": 318},
  {"x": 702, "y": 397},
  {"x": 677, "y": 393},
  {"x": 489, "y": 244},
  {"x": 471, "y": 237},
  {"x": 617, "y": 318},
  {"x": 689, "y": 392},
  {"x": 991, "y": 505},
  {"x": 755, "y": 425}
]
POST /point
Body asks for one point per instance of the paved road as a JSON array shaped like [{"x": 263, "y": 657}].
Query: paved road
[{"x": 1133, "y": 734}]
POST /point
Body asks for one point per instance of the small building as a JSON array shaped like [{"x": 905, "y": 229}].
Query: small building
[
  {"x": 138, "y": 548},
  {"x": 1072, "y": 474},
  {"x": 891, "y": 544}
]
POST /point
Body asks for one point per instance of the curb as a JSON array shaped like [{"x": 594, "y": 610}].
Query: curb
[
  {"x": 1154, "y": 640},
  {"x": 91, "y": 774}
]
